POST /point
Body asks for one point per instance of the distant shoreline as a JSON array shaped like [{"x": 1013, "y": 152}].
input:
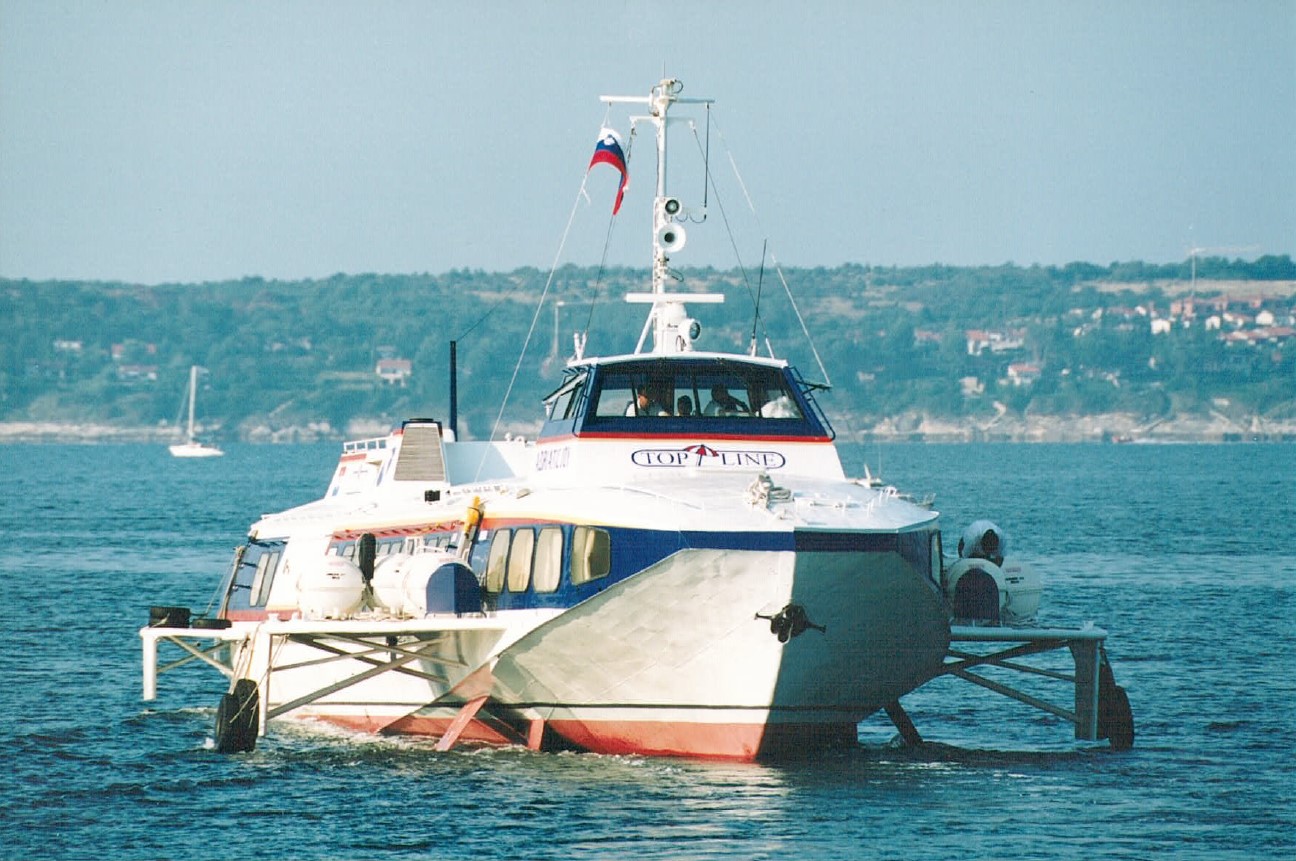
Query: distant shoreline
[{"x": 1107, "y": 428}]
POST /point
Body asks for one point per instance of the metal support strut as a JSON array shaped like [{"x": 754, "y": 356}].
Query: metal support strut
[{"x": 1100, "y": 708}]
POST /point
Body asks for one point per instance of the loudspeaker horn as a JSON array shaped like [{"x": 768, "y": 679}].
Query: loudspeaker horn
[{"x": 671, "y": 237}]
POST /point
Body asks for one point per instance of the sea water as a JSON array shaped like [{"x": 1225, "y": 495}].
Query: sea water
[{"x": 1183, "y": 553}]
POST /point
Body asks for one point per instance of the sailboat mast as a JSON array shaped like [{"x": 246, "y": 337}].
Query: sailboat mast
[{"x": 193, "y": 389}]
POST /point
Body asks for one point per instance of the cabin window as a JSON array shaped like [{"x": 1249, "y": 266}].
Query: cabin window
[
  {"x": 265, "y": 571},
  {"x": 519, "y": 561},
  {"x": 916, "y": 548},
  {"x": 937, "y": 556},
  {"x": 437, "y": 540},
  {"x": 495, "y": 562},
  {"x": 548, "y": 559},
  {"x": 591, "y": 556}
]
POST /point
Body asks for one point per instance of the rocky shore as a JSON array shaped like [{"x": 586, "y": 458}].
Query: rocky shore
[
  {"x": 1108, "y": 427},
  {"x": 1111, "y": 427}
]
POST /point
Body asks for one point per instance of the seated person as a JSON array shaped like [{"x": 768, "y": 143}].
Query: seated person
[
  {"x": 684, "y": 406},
  {"x": 779, "y": 408},
  {"x": 646, "y": 403},
  {"x": 724, "y": 404}
]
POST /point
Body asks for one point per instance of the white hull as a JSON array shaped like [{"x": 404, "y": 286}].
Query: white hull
[
  {"x": 194, "y": 449},
  {"x": 681, "y": 659},
  {"x": 678, "y": 660}
]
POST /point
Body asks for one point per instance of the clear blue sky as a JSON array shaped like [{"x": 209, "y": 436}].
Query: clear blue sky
[{"x": 191, "y": 141}]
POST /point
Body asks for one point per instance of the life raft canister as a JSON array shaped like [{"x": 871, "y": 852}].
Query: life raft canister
[
  {"x": 983, "y": 586},
  {"x": 333, "y": 588}
]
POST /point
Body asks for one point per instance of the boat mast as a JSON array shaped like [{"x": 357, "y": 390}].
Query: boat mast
[
  {"x": 673, "y": 330},
  {"x": 193, "y": 388}
]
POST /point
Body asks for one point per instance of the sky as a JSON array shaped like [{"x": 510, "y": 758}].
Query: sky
[{"x": 165, "y": 141}]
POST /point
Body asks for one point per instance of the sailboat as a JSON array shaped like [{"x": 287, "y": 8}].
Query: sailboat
[
  {"x": 191, "y": 447},
  {"x": 677, "y": 565}
]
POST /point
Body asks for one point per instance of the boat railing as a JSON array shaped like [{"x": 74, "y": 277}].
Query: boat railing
[
  {"x": 807, "y": 392},
  {"x": 359, "y": 445}
]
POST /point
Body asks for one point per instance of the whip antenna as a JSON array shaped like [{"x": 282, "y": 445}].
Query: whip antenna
[{"x": 760, "y": 279}]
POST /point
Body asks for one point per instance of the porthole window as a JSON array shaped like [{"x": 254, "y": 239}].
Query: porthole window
[
  {"x": 519, "y": 562},
  {"x": 548, "y": 559},
  {"x": 496, "y": 561},
  {"x": 591, "y": 554}
]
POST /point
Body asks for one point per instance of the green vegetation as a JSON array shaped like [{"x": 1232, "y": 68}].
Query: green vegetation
[{"x": 944, "y": 341}]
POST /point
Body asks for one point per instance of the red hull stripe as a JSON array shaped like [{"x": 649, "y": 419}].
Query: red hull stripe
[{"x": 738, "y": 742}]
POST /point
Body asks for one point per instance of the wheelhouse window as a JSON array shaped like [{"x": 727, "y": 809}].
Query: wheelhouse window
[
  {"x": 264, "y": 577},
  {"x": 702, "y": 396},
  {"x": 685, "y": 390},
  {"x": 252, "y": 574},
  {"x": 563, "y": 404}
]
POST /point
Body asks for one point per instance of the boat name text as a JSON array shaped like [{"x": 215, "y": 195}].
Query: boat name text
[
  {"x": 704, "y": 455},
  {"x": 553, "y": 458}
]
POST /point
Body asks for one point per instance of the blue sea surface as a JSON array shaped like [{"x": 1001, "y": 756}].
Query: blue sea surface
[{"x": 1183, "y": 553}]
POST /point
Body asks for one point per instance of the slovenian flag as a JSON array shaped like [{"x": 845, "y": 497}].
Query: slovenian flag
[{"x": 608, "y": 151}]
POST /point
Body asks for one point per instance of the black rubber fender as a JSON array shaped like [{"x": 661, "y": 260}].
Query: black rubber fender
[
  {"x": 1116, "y": 718},
  {"x": 237, "y": 718}
]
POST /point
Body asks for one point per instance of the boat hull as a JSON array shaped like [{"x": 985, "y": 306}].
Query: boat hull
[
  {"x": 194, "y": 449},
  {"x": 683, "y": 659}
]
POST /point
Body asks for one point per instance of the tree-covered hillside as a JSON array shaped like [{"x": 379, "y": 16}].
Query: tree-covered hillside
[{"x": 944, "y": 341}]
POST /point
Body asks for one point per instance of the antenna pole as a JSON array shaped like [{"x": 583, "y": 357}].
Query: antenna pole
[
  {"x": 454, "y": 390},
  {"x": 760, "y": 281}
]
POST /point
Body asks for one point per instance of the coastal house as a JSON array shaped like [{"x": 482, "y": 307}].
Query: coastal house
[
  {"x": 980, "y": 340},
  {"x": 137, "y": 373},
  {"x": 395, "y": 372},
  {"x": 1023, "y": 373}
]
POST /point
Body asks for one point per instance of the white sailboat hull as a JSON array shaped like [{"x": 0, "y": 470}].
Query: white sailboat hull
[
  {"x": 194, "y": 449},
  {"x": 191, "y": 447}
]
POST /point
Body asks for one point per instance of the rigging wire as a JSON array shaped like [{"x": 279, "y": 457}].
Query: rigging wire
[
  {"x": 517, "y": 366},
  {"x": 774, "y": 259},
  {"x": 516, "y": 284},
  {"x": 553, "y": 271},
  {"x": 760, "y": 281},
  {"x": 724, "y": 217},
  {"x": 706, "y": 158}
]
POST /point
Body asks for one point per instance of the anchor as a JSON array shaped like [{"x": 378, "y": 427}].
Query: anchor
[{"x": 790, "y": 622}]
